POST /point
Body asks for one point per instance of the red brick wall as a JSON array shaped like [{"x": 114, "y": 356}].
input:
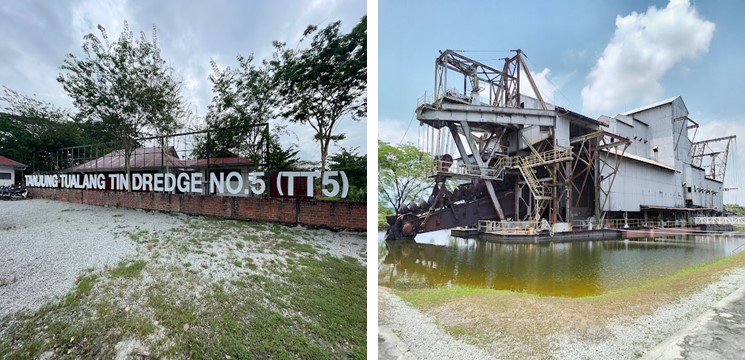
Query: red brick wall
[{"x": 316, "y": 213}]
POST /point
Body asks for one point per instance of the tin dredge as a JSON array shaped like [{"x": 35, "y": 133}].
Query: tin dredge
[{"x": 526, "y": 170}]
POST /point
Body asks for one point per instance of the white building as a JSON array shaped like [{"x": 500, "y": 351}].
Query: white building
[
  {"x": 8, "y": 168},
  {"x": 665, "y": 167}
]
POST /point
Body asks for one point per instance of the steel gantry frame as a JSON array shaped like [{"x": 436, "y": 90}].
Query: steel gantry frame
[
  {"x": 718, "y": 164},
  {"x": 598, "y": 153},
  {"x": 500, "y": 140},
  {"x": 501, "y": 86}
]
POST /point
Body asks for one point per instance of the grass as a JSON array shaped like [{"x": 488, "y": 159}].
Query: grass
[
  {"x": 478, "y": 314},
  {"x": 8, "y": 281},
  {"x": 81, "y": 325},
  {"x": 296, "y": 246},
  {"x": 128, "y": 269},
  {"x": 313, "y": 306},
  {"x": 316, "y": 316},
  {"x": 138, "y": 236}
]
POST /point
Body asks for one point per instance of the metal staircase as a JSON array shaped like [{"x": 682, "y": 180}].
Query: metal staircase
[{"x": 539, "y": 191}]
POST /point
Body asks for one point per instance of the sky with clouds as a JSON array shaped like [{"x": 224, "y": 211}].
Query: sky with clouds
[
  {"x": 38, "y": 34},
  {"x": 595, "y": 57}
]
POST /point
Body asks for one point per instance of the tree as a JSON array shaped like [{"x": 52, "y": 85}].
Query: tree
[
  {"x": 29, "y": 126},
  {"x": 31, "y": 107},
  {"x": 282, "y": 159},
  {"x": 325, "y": 81},
  {"x": 125, "y": 85},
  {"x": 354, "y": 166},
  {"x": 240, "y": 110},
  {"x": 402, "y": 173}
]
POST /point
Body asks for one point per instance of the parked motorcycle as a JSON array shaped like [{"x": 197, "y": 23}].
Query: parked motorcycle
[{"x": 13, "y": 192}]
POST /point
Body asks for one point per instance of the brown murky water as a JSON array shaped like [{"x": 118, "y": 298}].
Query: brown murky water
[{"x": 572, "y": 269}]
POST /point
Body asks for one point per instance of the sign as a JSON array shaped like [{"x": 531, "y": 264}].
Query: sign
[{"x": 232, "y": 183}]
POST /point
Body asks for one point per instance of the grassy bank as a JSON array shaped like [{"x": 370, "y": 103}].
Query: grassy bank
[
  {"x": 523, "y": 323},
  {"x": 210, "y": 289}
]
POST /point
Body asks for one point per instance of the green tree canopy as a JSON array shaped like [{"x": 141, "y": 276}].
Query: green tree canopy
[
  {"x": 126, "y": 85},
  {"x": 241, "y": 109},
  {"x": 322, "y": 83},
  {"x": 29, "y": 126},
  {"x": 402, "y": 174},
  {"x": 354, "y": 166}
]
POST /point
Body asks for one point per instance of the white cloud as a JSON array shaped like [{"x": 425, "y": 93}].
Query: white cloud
[
  {"x": 642, "y": 49},
  {"x": 88, "y": 14},
  {"x": 545, "y": 86},
  {"x": 41, "y": 33}
]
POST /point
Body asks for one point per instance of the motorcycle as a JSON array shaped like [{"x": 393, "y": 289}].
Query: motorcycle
[{"x": 13, "y": 192}]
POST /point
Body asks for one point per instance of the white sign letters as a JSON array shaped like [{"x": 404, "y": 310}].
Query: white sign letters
[{"x": 232, "y": 183}]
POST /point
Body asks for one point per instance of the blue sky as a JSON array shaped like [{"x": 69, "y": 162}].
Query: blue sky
[
  {"x": 692, "y": 49},
  {"x": 37, "y": 34}
]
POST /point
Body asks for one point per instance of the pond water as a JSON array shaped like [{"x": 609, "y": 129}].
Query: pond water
[{"x": 572, "y": 269}]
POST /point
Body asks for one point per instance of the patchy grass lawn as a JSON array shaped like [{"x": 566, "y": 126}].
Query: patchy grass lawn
[
  {"x": 210, "y": 289},
  {"x": 524, "y": 323}
]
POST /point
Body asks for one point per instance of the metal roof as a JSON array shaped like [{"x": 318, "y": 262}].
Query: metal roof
[
  {"x": 652, "y": 105},
  {"x": 140, "y": 158},
  {"x": 154, "y": 158},
  {"x": 12, "y": 163}
]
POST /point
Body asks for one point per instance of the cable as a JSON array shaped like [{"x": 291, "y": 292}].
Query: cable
[
  {"x": 556, "y": 88},
  {"x": 482, "y": 51},
  {"x": 407, "y": 130}
]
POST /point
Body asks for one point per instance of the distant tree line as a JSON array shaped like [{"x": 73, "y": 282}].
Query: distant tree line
[{"x": 122, "y": 90}]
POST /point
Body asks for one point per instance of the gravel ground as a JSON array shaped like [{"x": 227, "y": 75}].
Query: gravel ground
[
  {"x": 420, "y": 334},
  {"x": 46, "y": 245},
  {"x": 629, "y": 337},
  {"x": 632, "y": 337}
]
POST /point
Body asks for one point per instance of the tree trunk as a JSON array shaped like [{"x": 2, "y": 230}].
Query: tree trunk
[{"x": 324, "y": 154}]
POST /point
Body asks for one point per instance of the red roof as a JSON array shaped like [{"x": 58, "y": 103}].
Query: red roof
[
  {"x": 220, "y": 161},
  {"x": 153, "y": 158},
  {"x": 12, "y": 163},
  {"x": 140, "y": 158}
]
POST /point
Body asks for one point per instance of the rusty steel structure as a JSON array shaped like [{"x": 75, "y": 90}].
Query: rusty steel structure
[
  {"x": 717, "y": 157},
  {"x": 510, "y": 163},
  {"x": 518, "y": 157}
]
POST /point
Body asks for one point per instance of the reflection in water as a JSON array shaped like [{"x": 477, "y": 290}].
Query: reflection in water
[{"x": 578, "y": 268}]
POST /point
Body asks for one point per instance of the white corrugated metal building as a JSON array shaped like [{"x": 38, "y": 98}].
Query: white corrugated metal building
[{"x": 658, "y": 171}]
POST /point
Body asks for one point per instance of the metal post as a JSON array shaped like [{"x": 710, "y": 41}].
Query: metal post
[
  {"x": 596, "y": 180},
  {"x": 480, "y": 163}
]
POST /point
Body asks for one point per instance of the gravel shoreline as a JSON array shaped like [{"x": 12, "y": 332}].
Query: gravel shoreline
[
  {"x": 423, "y": 338},
  {"x": 633, "y": 337},
  {"x": 46, "y": 245},
  {"x": 629, "y": 337}
]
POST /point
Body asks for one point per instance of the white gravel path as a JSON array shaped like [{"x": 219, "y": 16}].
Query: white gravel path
[
  {"x": 420, "y": 334},
  {"x": 628, "y": 338},
  {"x": 46, "y": 245}
]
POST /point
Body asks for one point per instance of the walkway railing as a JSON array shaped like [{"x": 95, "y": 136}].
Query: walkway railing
[
  {"x": 557, "y": 154},
  {"x": 496, "y": 171},
  {"x": 442, "y": 167},
  {"x": 721, "y": 220},
  {"x": 506, "y": 227}
]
